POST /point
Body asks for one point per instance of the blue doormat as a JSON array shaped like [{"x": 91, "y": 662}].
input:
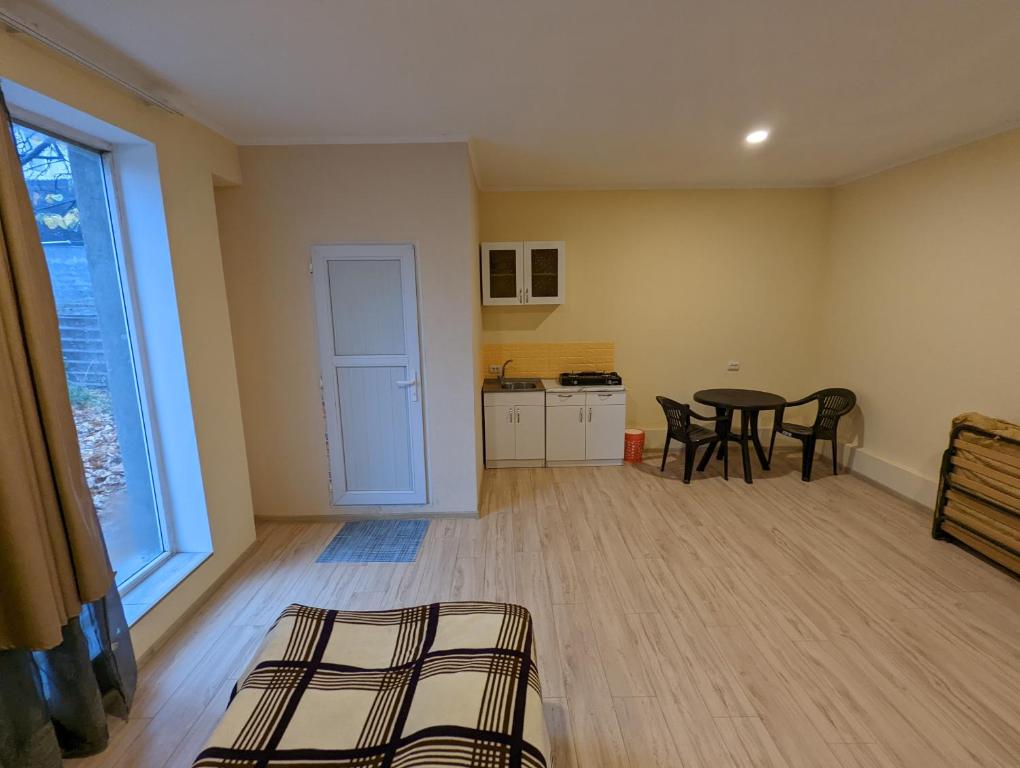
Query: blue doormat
[{"x": 376, "y": 541}]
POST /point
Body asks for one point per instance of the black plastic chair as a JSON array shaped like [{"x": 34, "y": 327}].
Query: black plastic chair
[
  {"x": 693, "y": 436},
  {"x": 833, "y": 404}
]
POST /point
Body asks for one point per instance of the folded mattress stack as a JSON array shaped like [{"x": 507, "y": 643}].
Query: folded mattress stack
[
  {"x": 979, "y": 489},
  {"x": 447, "y": 684}
]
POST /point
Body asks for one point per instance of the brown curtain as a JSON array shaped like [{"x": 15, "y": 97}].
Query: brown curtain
[{"x": 52, "y": 556}]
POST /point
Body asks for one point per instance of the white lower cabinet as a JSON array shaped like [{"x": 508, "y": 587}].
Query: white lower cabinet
[
  {"x": 564, "y": 434},
  {"x": 584, "y": 427},
  {"x": 530, "y": 432},
  {"x": 532, "y": 429},
  {"x": 604, "y": 436},
  {"x": 514, "y": 429},
  {"x": 500, "y": 433}
]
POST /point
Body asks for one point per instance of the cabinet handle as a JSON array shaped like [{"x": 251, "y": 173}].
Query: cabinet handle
[
  {"x": 509, "y": 415},
  {"x": 589, "y": 414},
  {"x": 520, "y": 296},
  {"x": 580, "y": 414},
  {"x": 518, "y": 410},
  {"x": 526, "y": 295}
]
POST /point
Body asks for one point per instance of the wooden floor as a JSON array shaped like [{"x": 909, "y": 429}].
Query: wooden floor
[{"x": 715, "y": 625}]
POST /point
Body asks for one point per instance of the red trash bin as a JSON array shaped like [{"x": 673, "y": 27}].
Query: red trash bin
[{"x": 633, "y": 444}]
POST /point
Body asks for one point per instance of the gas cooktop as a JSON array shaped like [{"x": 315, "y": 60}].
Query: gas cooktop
[{"x": 589, "y": 378}]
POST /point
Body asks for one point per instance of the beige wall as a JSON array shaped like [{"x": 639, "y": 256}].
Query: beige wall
[
  {"x": 189, "y": 157},
  {"x": 902, "y": 286},
  {"x": 922, "y": 306},
  {"x": 476, "y": 325},
  {"x": 294, "y": 197},
  {"x": 681, "y": 281}
]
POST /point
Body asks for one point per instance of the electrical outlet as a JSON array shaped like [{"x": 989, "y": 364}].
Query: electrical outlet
[
  {"x": 733, "y": 365},
  {"x": 493, "y": 369}
]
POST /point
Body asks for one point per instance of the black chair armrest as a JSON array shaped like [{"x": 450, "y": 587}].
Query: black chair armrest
[
  {"x": 802, "y": 401},
  {"x": 724, "y": 417}
]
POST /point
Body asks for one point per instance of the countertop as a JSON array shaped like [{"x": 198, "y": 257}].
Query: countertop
[
  {"x": 492, "y": 385},
  {"x": 549, "y": 385}
]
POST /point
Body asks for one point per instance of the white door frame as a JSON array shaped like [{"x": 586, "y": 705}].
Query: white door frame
[{"x": 328, "y": 362}]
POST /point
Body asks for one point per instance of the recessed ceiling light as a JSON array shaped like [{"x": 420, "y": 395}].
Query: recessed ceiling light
[{"x": 757, "y": 137}]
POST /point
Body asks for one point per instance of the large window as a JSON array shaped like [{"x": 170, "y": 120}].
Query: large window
[{"x": 74, "y": 208}]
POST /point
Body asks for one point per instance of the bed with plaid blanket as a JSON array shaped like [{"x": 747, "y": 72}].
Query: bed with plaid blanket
[{"x": 447, "y": 684}]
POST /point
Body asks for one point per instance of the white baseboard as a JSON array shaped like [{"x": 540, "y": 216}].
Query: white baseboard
[
  {"x": 899, "y": 480},
  {"x": 149, "y": 651},
  {"x": 513, "y": 463},
  {"x": 586, "y": 463},
  {"x": 893, "y": 477},
  {"x": 368, "y": 513}
]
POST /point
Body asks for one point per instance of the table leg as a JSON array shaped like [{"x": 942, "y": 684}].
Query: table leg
[
  {"x": 745, "y": 452},
  {"x": 723, "y": 428},
  {"x": 756, "y": 439}
]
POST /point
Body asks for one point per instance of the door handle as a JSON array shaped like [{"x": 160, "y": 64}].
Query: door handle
[{"x": 411, "y": 382}]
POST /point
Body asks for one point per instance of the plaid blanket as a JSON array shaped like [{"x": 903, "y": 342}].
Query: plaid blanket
[{"x": 447, "y": 684}]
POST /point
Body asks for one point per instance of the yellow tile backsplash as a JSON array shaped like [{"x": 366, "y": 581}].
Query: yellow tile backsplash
[{"x": 548, "y": 360}]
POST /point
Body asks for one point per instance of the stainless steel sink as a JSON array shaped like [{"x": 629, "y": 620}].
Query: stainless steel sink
[{"x": 519, "y": 385}]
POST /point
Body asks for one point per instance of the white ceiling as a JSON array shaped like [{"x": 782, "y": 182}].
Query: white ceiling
[{"x": 591, "y": 93}]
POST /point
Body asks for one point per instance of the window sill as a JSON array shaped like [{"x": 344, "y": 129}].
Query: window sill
[{"x": 160, "y": 583}]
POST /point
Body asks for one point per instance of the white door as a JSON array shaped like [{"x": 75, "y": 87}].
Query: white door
[
  {"x": 565, "y": 432},
  {"x": 530, "y": 431},
  {"x": 502, "y": 273},
  {"x": 604, "y": 439},
  {"x": 500, "y": 438},
  {"x": 366, "y": 310}
]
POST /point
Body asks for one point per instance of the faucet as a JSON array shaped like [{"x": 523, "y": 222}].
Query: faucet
[{"x": 502, "y": 372}]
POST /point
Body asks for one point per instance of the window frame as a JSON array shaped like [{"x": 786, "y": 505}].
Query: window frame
[{"x": 136, "y": 341}]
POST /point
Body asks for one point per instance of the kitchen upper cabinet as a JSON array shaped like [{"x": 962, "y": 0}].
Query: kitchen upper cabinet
[
  {"x": 502, "y": 273},
  {"x": 531, "y": 272},
  {"x": 543, "y": 272}
]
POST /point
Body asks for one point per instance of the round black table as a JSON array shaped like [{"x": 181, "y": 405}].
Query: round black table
[{"x": 750, "y": 402}]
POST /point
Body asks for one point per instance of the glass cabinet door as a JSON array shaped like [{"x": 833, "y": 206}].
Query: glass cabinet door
[
  {"x": 502, "y": 273},
  {"x": 543, "y": 268}
]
